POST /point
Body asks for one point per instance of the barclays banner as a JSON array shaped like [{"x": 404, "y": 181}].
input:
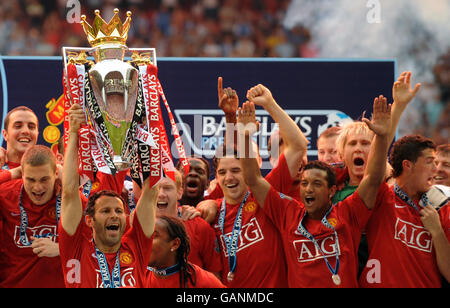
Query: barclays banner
[{"x": 316, "y": 93}]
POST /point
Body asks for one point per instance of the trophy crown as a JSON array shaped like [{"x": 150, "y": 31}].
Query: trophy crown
[{"x": 113, "y": 32}]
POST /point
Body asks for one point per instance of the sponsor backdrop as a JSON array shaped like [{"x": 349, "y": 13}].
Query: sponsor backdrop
[{"x": 316, "y": 93}]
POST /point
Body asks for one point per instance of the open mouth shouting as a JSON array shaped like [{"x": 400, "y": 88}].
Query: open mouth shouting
[
  {"x": 162, "y": 205},
  {"x": 309, "y": 200},
  {"x": 193, "y": 187},
  {"x": 112, "y": 228},
  {"x": 358, "y": 161}
]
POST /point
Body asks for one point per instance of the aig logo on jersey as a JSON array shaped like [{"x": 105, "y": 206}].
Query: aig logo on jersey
[
  {"x": 250, "y": 234},
  {"x": 326, "y": 247},
  {"x": 413, "y": 236}
]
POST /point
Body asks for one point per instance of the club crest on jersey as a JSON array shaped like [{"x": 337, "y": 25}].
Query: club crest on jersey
[
  {"x": 51, "y": 213},
  {"x": 413, "y": 236},
  {"x": 126, "y": 258},
  {"x": 333, "y": 222},
  {"x": 250, "y": 206},
  {"x": 307, "y": 251}
]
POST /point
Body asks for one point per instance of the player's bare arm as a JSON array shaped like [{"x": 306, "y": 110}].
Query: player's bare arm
[
  {"x": 296, "y": 143},
  {"x": 71, "y": 207},
  {"x": 376, "y": 165},
  {"x": 403, "y": 95},
  {"x": 247, "y": 126},
  {"x": 145, "y": 208}
]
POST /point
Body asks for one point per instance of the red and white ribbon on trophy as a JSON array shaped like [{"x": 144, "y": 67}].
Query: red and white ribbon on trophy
[{"x": 146, "y": 140}]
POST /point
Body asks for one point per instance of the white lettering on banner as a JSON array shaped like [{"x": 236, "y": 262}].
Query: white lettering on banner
[
  {"x": 413, "y": 236},
  {"x": 204, "y": 128},
  {"x": 34, "y": 231},
  {"x": 250, "y": 234},
  {"x": 307, "y": 251}
]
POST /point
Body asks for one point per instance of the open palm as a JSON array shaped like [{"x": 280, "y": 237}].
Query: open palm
[{"x": 381, "y": 116}]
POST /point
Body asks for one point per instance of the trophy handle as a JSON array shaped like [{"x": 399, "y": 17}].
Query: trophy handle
[{"x": 143, "y": 55}]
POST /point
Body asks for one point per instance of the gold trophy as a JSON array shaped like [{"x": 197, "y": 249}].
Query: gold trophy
[{"x": 112, "y": 87}]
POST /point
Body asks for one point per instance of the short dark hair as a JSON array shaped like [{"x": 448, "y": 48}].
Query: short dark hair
[
  {"x": 90, "y": 206},
  {"x": 409, "y": 147},
  {"x": 39, "y": 155},
  {"x": 208, "y": 167},
  {"x": 223, "y": 151},
  {"x": 18, "y": 108},
  {"x": 316, "y": 164}
]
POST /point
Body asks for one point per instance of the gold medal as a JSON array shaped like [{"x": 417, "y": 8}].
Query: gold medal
[{"x": 336, "y": 279}]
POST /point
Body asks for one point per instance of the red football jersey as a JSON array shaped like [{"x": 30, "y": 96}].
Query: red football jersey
[
  {"x": 203, "y": 279},
  {"x": 204, "y": 247},
  {"x": 80, "y": 264},
  {"x": 281, "y": 180},
  {"x": 19, "y": 266},
  {"x": 260, "y": 257},
  {"x": 306, "y": 263},
  {"x": 5, "y": 175},
  {"x": 401, "y": 249}
]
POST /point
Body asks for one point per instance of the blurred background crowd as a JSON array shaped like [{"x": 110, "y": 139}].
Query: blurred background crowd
[{"x": 260, "y": 28}]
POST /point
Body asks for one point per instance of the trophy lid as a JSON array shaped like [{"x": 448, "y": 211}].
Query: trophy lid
[{"x": 103, "y": 33}]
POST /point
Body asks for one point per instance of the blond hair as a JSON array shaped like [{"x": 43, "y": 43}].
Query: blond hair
[{"x": 352, "y": 128}]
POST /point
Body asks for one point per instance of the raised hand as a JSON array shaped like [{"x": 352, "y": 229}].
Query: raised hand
[
  {"x": 228, "y": 99},
  {"x": 401, "y": 90},
  {"x": 381, "y": 117},
  {"x": 76, "y": 118},
  {"x": 260, "y": 95},
  {"x": 247, "y": 124}
]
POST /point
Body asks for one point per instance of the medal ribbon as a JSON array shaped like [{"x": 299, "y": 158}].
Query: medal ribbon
[
  {"x": 302, "y": 230},
  {"x": 165, "y": 271},
  {"x": 23, "y": 238},
  {"x": 108, "y": 281},
  {"x": 232, "y": 241},
  {"x": 405, "y": 198}
]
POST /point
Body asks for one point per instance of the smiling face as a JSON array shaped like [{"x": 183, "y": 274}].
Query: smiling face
[
  {"x": 167, "y": 197},
  {"x": 39, "y": 182},
  {"x": 108, "y": 222},
  {"x": 443, "y": 169},
  {"x": 21, "y": 133},
  {"x": 163, "y": 247},
  {"x": 231, "y": 179}
]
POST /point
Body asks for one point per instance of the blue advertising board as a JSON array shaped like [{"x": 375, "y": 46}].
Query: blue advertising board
[{"x": 316, "y": 93}]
